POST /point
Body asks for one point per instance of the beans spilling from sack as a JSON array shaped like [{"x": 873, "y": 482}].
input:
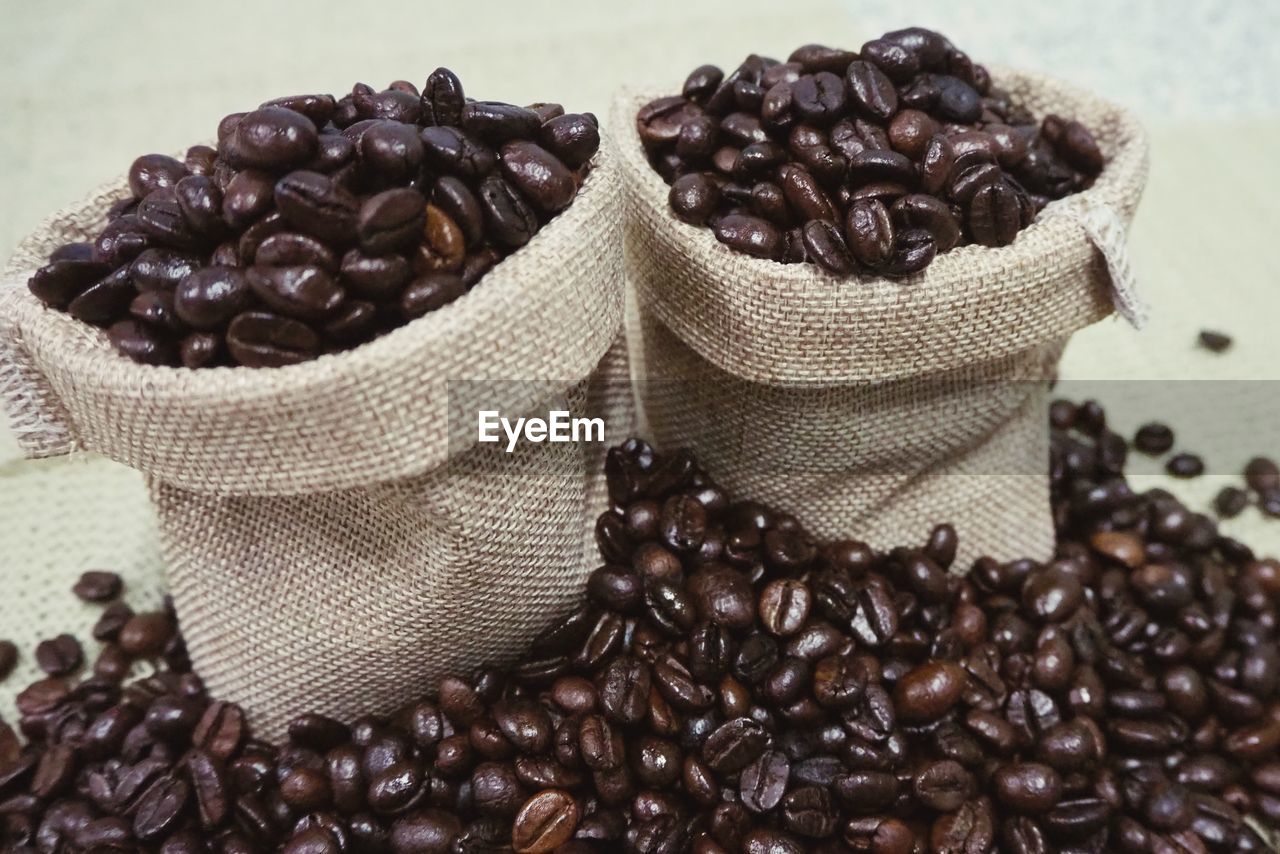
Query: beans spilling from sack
[
  {"x": 731, "y": 685},
  {"x": 868, "y": 162},
  {"x": 319, "y": 223}
]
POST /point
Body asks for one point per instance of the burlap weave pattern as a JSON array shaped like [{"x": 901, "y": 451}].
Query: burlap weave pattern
[
  {"x": 871, "y": 407},
  {"x": 334, "y": 540}
]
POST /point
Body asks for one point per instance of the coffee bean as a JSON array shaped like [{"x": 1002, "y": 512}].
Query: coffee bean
[
  {"x": 545, "y": 822},
  {"x": 152, "y": 172},
  {"x": 496, "y": 122},
  {"x": 1027, "y": 787},
  {"x": 995, "y": 216},
  {"x": 928, "y": 692},
  {"x": 871, "y": 234},
  {"x": 872, "y": 91},
  {"x": 749, "y": 234},
  {"x": 59, "y": 656},
  {"x": 538, "y": 175},
  {"x": 824, "y": 243},
  {"x": 694, "y": 198},
  {"x": 1185, "y": 465},
  {"x": 272, "y": 138},
  {"x": 304, "y": 292},
  {"x": 1214, "y": 342},
  {"x": 259, "y": 339}
]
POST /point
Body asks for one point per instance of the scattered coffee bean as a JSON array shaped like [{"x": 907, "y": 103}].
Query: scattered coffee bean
[
  {"x": 96, "y": 586},
  {"x": 731, "y": 684},
  {"x": 1214, "y": 342},
  {"x": 1185, "y": 465},
  {"x": 8, "y": 658},
  {"x": 1153, "y": 439},
  {"x": 1230, "y": 502}
]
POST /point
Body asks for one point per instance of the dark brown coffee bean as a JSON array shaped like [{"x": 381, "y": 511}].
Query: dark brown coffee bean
[
  {"x": 260, "y": 339},
  {"x": 305, "y": 293},
  {"x": 430, "y": 292},
  {"x": 390, "y": 220},
  {"x": 141, "y": 343},
  {"x": 873, "y": 93},
  {"x": 59, "y": 656},
  {"x": 442, "y": 99},
  {"x": 315, "y": 205},
  {"x": 8, "y": 658},
  {"x": 512, "y": 221},
  {"x": 929, "y": 691},
  {"x": 545, "y": 822},
  {"x": 208, "y": 298},
  {"x": 995, "y": 216},
  {"x": 152, "y": 172},
  {"x": 539, "y": 176},
  {"x": 749, "y": 234},
  {"x": 824, "y": 243},
  {"x": 1214, "y": 342},
  {"x": 57, "y": 284},
  {"x": 1027, "y": 787},
  {"x": 272, "y": 138},
  {"x": 496, "y": 122},
  {"x": 870, "y": 233},
  {"x": 1185, "y": 465},
  {"x": 694, "y": 198}
]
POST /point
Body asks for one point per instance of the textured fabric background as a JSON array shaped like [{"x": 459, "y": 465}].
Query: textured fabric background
[{"x": 85, "y": 87}]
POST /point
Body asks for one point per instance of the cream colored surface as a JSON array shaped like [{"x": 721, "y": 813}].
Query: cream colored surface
[{"x": 85, "y": 86}]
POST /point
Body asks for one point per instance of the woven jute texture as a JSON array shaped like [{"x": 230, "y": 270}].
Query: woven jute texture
[
  {"x": 870, "y": 407},
  {"x": 335, "y": 538}
]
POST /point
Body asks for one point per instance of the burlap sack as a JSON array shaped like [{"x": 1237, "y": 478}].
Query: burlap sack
[
  {"x": 869, "y": 407},
  {"x": 334, "y": 535}
]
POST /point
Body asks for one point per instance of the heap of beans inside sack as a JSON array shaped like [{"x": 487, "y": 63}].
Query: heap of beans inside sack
[
  {"x": 861, "y": 162},
  {"x": 729, "y": 684},
  {"x": 318, "y": 223}
]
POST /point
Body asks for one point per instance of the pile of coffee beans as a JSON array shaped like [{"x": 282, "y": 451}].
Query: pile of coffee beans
[
  {"x": 872, "y": 161},
  {"x": 319, "y": 223},
  {"x": 729, "y": 684}
]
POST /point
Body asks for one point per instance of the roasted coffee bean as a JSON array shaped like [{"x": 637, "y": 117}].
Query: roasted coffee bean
[
  {"x": 391, "y": 151},
  {"x": 995, "y": 214},
  {"x": 873, "y": 93},
  {"x": 511, "y": 220},
  {"x": 871, "y": 234},
  {"x": 694, "y": 198},
  {"x": 259, "y": 339},
  {"x": 824, "y": 243},
  {"x": 429, "y": 292},
  {"x": 272, "y": 138},
  {"x": 390, "y": 220},
  {"x": 539, "y": 176},
  {"x": 304, "y": 292},
  {"x": 1213, "y": 341},
  {"x": 928, "y": 213},
  {"x": 57, "y": 284},
  {"x": 496, "y": 122},
  {"x": 152, "y": 172},
  {"x": 749, "y": 234},
  {"x": 1185, "y": 465},
  {"x": 59, "y": 656},
  {"x": 141, "y": 343},
  {"x": 208, "y": 298}
]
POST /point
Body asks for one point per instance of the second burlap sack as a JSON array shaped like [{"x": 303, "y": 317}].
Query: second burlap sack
[
  {"x": 874, "y": 408},
  {"x": 335, "y": 537}
]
